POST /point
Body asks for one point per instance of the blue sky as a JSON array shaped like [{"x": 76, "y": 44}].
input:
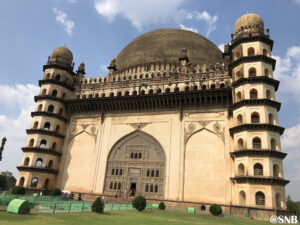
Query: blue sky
[{"x": 97, "y": 30}]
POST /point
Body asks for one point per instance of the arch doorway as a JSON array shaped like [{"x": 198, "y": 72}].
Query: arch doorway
[{"x": 136, "y": 166}]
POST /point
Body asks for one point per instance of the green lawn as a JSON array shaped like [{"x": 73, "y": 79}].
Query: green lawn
[{"x": 123, "y": 218}]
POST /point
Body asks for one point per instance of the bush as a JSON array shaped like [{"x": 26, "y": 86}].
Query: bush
[
  {"x": 162, "y": 206},
  {"x": 18, "y": 190},
  {"x": 55, "y": 192},
  {"x": 139, "y": 203},
  {"x": 215, "y": 209},
  {"x": 98, "y": 206}
]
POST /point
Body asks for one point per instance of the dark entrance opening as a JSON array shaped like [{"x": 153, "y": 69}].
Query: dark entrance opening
[{"x": 132, "y": 189}]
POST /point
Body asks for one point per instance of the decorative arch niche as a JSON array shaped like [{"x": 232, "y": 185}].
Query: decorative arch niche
[{"x": 151, "y": 160}]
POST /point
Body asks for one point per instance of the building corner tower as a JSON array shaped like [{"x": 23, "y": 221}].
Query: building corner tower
[
  {"x": 45, "y": 140},
  {"x": 257, "y": 155}
]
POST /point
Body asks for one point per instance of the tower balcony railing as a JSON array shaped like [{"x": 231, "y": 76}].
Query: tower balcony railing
[
  {"x": 42, "y": 150},
  {"x": 256, "y": 127},
  {"x": 257, "y": 152},
  {"x": 37, "y": 169}
]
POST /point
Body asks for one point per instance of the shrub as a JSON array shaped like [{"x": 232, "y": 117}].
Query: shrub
[
  {"x": 139, "y": 203},
  {"x": 162, "y": 206},
  {"x": 98, "y": 206},
  {"x": 215, "y": 209},
  {"x": 55, "y": 192},
  {"x": 18, "y": 190}
]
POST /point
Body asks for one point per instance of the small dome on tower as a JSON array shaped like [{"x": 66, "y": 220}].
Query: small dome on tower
[
  {"x": 62, "y": 55},
  {"x": 249, "y": 22}
]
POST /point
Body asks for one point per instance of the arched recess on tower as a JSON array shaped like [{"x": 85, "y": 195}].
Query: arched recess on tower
[
  {"x": 141, "y": 159},
  {"x": 204, "y": 168}
]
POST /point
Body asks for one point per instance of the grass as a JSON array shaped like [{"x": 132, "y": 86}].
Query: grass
[{"x": 147, "y": 217}]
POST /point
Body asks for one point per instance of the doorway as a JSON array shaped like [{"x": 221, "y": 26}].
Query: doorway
[{"x": 132, "y": 189}]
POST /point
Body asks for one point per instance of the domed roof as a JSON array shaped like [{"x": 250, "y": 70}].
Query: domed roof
[
  {"x": 249, "y": 21},
  {"x": 165, "y": 45},
  {"x": 62, "y": 54}
]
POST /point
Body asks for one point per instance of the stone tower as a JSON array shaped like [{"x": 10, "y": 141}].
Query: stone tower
[
  {"x": 257, "y": 154},
  {"x": 46, "y": 134}
]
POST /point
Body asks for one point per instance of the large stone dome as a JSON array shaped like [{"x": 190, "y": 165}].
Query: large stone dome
[{"x": 165, "y": 45}]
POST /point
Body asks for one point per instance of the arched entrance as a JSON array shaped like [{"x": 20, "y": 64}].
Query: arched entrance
[{"x": 136, "y": 162}]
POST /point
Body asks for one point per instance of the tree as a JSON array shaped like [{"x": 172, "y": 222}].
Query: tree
[
  {"x": 18, "y": 190},
  {"x": 3, "y": 182},
  {"x": 55, "y": 192},
  {"x": 139, "y": 203},
  {"x": 291, "y": 205},
  {"x": 98, "y": 205},
  {"x": 215, "y": 209}
]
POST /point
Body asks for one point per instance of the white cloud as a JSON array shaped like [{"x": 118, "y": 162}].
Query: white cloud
[
  {"x": 181, "y": 26},
  {"x": 20, "y": 99},
  {"x": 63, "y": 19},
  {"x": 221, "y": 47},
  {"x": 146, "y": 12},
  {"x": 103, "y": 68},
  {"x": 288, "y": 72}
]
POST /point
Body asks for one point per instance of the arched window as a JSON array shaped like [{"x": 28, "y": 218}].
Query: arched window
[
  {"x": 132, "y": 155},
  {"x": 140, "y": 155},
  {"x": 187, "y": 88},
  {"x": 44, "y": 91},
  {"x": 57, "y": 77},
  {"x": 31, "y": 142},
  {"x": 47, "y": 126},
  {"x": 142, "y": 92},
  {"x": 150, "y": 92},
  {"x": 103, "y": 95},
  {"x": 238, "y": 96},
  {"x": 63, "y": 96},
  {"x": 54, "y": 93},
  {"x": 157, "y": 173},
  {"x": 126, "y": 93},
  {"x": 240, "y": 143},
  {"x": 147, "y": 188},
  {"x": 26, "y": 161},
  {"x": 273, "y": 144},
  {"x": 117, "y": 171},
  {"x": 260, "y": 198},
  {"x": 278, "y": 200},
  {"x": 256, "y": 143},
  {"x": 158, "y": 91},
  {"x": 268, "y": 94},
  {"x": 90, "y": 96},
  {"x": 57, "y": 129},
  {"x": 34, "y": 182},
  {"x": 43, "y": 143},
  {"x": 46, "y": 184},
  {"x": 67, "y": 80},
  {"x": 251, "y": 51},
  {"x": 167, "y": 90},
  {"x": 267, "y": 72},
  {"x": 115, "y": 186},
  {"x": 238, "y": 75},
  {"x": 152, "y": 173},
  {"x": 97, "y": 95},
  {"x": 134, "y": 92},
  {"x": 48, "y": 76},
  {"x": 50, "y": 164},
  {"x": 195, "y": 87},
  {"x": 203, "y": 87},
  {"x": 258, "y": 169},
  {"x": 119, "y": 186},
  {"x": 151, "y": 188},
  {"x": 40, "y": 108},
  {"x": 50, "y": 108},
  {"x": 242, "y": 198},
  {"x": 241, "y": 169},
  {"x": 111, "y": 185},
  {"x": 253, "y": 94},
  {"x": 237, "y": 55},
  {"x": 265, "y": 52},
  {"x": 176, "y": 89},
  {"x": 275, "y": 170},
  {"x": 60, "y": 111},
  {"x": 252, "y": 72},
  {"x": 111, "y": 94},
  {"x": 22, "y": 181},
  {"x": 119, "y": 93},
  {"x": 53, "y": 146},
  {"x": 213, "y": 86},
  {"x": 39, "y": 162},
  {"x": 121, "y": 172},
  {"x": 254, "y": 117},
  {"x": 83, "y": 96},
  {"x": 113, "y": 172},
  {"x": 239, "y": 119},
  {"x": 222, "y": 85},
  {"x": 148, "y": 173},
  {"x": 156, "y": 189},
  {"x": 35, "y": 125},
  {"x": 203, "y": 208}
]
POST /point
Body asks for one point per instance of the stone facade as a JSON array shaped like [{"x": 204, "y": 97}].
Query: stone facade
[{"x": 170, "y": 127}]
